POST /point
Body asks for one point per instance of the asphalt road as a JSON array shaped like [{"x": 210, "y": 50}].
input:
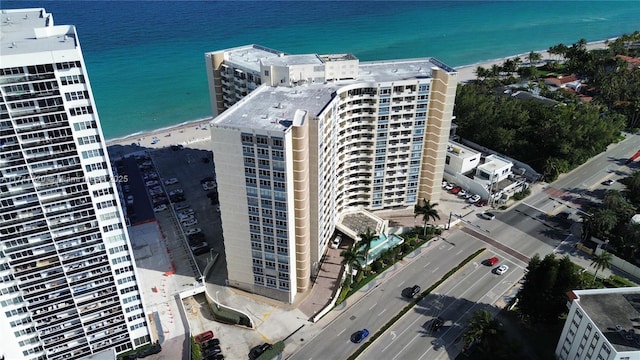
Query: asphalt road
[
  {"x": 384, "y": 300},
  {"x": 473, "y": 288}
]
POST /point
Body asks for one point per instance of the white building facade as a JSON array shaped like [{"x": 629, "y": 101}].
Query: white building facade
[
  {"x": 601, "y": 324},
  {"x": 69, "y": 286},
  {"x": 293, "y": 156}
]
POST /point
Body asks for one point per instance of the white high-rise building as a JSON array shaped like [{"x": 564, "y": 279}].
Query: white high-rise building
[
  {"x": 323, "y": 135},
  {"x": 68, "y": 278},
  {"x": 602, "y": 324}
]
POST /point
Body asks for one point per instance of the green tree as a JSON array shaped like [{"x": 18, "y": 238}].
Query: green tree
[
  {"x": 428, "y": 211},
  {"x": 367, "y": 238},
  {"x": 601, "y": 262},
  {"x": 351, "y": 258},
  {"x": 533, "y": 57},
  {"x": 483, "y": 329},
  {"x": 542, "y": 297}
]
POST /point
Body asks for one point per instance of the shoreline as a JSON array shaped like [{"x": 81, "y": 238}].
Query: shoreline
[{"x": 196, "y": 131}]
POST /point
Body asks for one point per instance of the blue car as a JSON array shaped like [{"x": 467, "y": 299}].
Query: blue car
[{"x": 358, "y": 336}]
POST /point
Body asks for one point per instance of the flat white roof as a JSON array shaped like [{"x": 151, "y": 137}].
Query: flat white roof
[
  {"x": 249, "y": 56},
  {"x": 25, "y": 31},
  {"x": 306, "y": 59},
  {"x": 459, "y": 150},
  {"x": 274, "y": 108},
  {"x": 494, "y": 162}
]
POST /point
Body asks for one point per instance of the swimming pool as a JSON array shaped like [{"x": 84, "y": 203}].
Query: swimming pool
[{"x": 380, "y": 245}]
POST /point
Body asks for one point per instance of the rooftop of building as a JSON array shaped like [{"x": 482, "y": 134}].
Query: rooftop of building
[
  {"x": 403, "y": 69},
  {"x": 305, "y": 59},
  {"x": 460, "y": 150},
  {"x": 273, "y": 108},
  {"x": 32, "y": 30},
  {"x": 493, "y": 162},
  {"x": 616, "y": 312},
  {"x": 337, "y": 57},
  {"x": 249, "y": 56}
]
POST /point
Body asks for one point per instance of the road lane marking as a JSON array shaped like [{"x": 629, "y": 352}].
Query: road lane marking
[
  {"x": 340, "y": 333},
  {"x": 436, "y": 269},
  {"x": 372, "y": 306},
  {"x": 401, "y": 283},
  {"x": 382, "y": 312},
  {"x": 427, "y": 264},
  {"x": 459, "y": 252}
]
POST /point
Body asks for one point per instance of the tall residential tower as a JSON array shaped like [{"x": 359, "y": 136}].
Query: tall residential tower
[
  {"x": 320, "y": 136},
  {"x": 69, "y": 285}
]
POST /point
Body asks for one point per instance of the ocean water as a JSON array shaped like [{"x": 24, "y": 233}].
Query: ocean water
[{"x": 146, "y": 58}]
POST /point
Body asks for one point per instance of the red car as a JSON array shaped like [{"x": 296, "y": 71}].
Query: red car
[
  {"x": 492, "y": 261},
  {"x": 205, "y": 336},
  {"x": 455, "y": 190}
]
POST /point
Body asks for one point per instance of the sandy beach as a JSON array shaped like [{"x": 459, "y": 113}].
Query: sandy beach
[{"x": 196, "y": 133}]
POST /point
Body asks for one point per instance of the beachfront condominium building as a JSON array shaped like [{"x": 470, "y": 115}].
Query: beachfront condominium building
[
  {"x": 322, "y": 135},
  {"x": 602, "y": 324},
  {"x": 69, "y": 285}
]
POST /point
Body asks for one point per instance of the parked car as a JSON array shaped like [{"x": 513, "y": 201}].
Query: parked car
[
  {"x": 176, "y": 192},
  {"x": 462, "y": 193},
  {"x": 444, "y": 184},
  {"x": 201, "y": 249},
  {"x": 191, "y": 222},
  {"x": 256, "y": 351},
  {"x": 474, "y": 199},
  {"x": 130, "y": 200},
  {"x": 456, "y": 190},
  {"x": 608, "y": 182},
  {"x": 210, "y": 343},
  {"x": 492, "y": 261},
  {"x": 336, "y": 241},
  {"x": 205, "y": 336},
  {"x": 185, "y": 218},
  {"x": 449, "y": 186},
  {"x": 358, "y": 336},
  {"x": 177, "y": 198},
  {"x": 487, "y": 215},
  {"x": 178, "y": 207},
  {"x": 193, "y": 231},
  {"x": 502, "y": 269},
  {"x": 186, "y": 212},
  {"x": 411, "y": 292},
  {"x": 481, "y": 202},
  {"x": 151, "y": 183},
  {"x": 160, "y": 208},
  {"x": 171, "y": 181},
  {"x": 154, "y": 349}
]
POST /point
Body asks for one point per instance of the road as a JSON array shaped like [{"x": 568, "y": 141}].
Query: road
[
  {"x": 383, "y": 299},
  {"x": 474, "y": 288}
]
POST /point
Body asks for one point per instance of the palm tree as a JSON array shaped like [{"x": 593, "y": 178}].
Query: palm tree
[
  {"x": 351, "y": 257},
  {"x": 534, "y": 57},
  {"x": 601, "y": 262},
  {"x": 367, "y": 238},
  {"x": 428, "y": 211},
  {"x": 482, "y": 329}
]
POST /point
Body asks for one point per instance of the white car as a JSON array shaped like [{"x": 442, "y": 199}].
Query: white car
[
  {"x": 336, "y": 241},
  {"x": 474, "y": 199},
  {"x": 449, "y": 186},
  {"x": 185, "y": 213},
  {"x": 502, "y": 269},
  {"x": 188, "y": 223},
  {"x": 159, "y": 208},
  {"x": 130, "y": 200},
  {"x": 193, "y": 231},
  {"x": 444, "y": 184},
  {"x": 176, "y": 192},
  {"x": 487, "y": 215},
  {"x": 171, "y": 181},
  {"x": 151, "y": 183},
  {"x": 462, "y": 193},
  {"x": 184, "y": 217}
]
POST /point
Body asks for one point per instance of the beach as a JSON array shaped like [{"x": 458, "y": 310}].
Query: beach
[{"x": 196, "y": 133}]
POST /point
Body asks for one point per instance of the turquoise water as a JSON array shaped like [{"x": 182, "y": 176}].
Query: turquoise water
[
  {"x": 380, "y": 245},
  {"x": 146, "y": 58}
]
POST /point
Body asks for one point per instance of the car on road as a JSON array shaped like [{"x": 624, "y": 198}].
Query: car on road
[
  {"x": 205, "y": 336},
  {"x": 411, "y": 292},
  {"x": 171, "y": 181},
  {"x": 191, "y": 222},
  {"x": 358, "y": 336},
  {"x": 608, "y": 182},
  {"x": 502, "y": 269},
  {"x": 193, "y": 231},
  {"x": 256, "y": 351},
  {"x": 487, "y": 215},
  {"x": 336, "y": 241},
  {"x": 492, "y": 261},
  {"x": 436, "y": 324},
  {"x": 160, "y": 208}
]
